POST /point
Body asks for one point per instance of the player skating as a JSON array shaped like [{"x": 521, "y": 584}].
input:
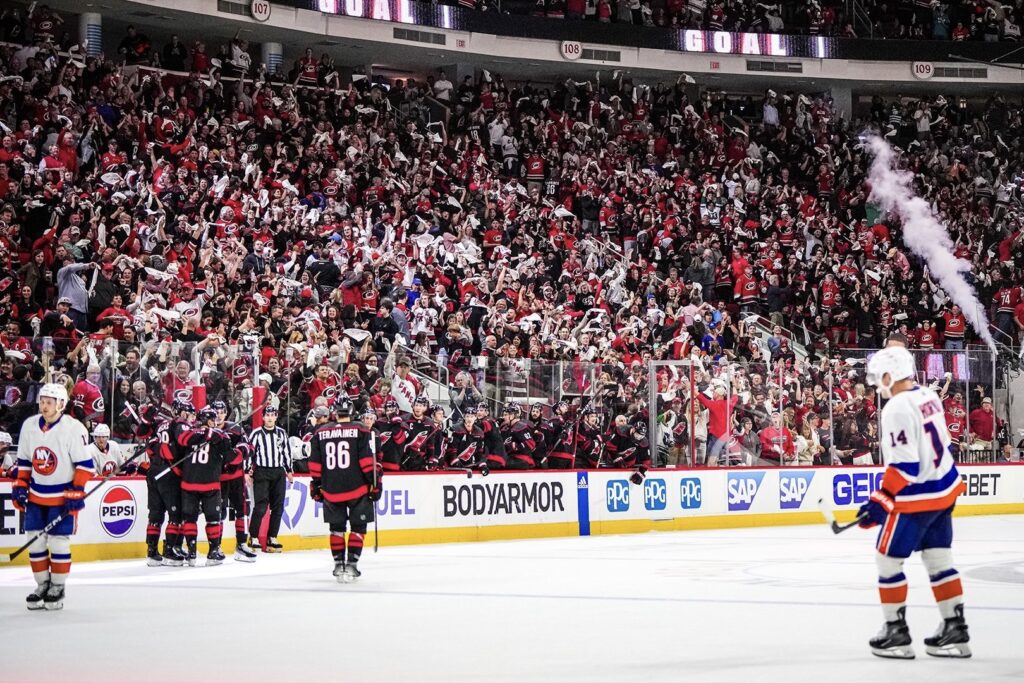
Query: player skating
[
  {"x": 914, "y": 505},
  {"x": 53, "y": 468},
  {"x": 346, "y": 479}
]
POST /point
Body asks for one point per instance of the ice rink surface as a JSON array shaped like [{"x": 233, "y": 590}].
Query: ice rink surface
[{"x": 752, "y": 605}]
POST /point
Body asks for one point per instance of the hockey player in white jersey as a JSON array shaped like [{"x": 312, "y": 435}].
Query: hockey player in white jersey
[
  {"x": 107, "y": 456},
  {"x": 53, "y": 468},
  {"x": 914, "y": 507}
]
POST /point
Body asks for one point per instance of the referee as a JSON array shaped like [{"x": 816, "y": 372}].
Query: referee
[{"x": 273, "y": 464}]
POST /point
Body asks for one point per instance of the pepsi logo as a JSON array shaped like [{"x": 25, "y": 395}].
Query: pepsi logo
[
  {"x": 117, "y": 511},
  {"x": 44, "y": 461}
]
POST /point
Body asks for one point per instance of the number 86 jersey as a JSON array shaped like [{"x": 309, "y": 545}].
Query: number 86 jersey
[
  {"x": 920, "y": 471},
  {"x": 341, "y": 456}
]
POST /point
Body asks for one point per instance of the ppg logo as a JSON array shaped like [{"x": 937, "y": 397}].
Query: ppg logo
[
  {"x": 618, "y": 495},
  {"x": 117, "y": 511},
  {"x": 655, "y": 494},
  {"x": 743, "y": 488},
  {"x": 690, "y": 493},
  {"x": 793, "y": 487},
  {"x": 854, "y": 488}
]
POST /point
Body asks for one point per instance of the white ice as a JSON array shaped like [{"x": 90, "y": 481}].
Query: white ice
[{"x": 758, "y": 605}]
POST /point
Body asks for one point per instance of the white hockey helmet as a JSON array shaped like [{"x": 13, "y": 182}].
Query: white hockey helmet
[
  {"x": 55, "y": 391},
  {"x": 101, "y": 430},
  {"x": 894, "y": 361},
  {"x": 5, "y": 439}
]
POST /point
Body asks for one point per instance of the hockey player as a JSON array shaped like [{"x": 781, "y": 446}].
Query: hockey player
[
  {"x": 436, "y": 444},
  {"x": 53, "y": 467},
  {"x": 107, "y": 456},
  {"x": 518, "y": 437},
  {"x": 200, "y": 484},
  {"x": 164, "y": 491},
  {"x": 494, "y": 456},
  {"x": 620, "y": 449},
  {"x": 392, "y": 433},
  {"x": 232, "y": 480},
  {"x": 914, "y": 507},
  {"x": 465, "y": 443},
  {"x": 589, "y": 441},
  {"x": 346, "y": 479},
  {"x": 557, "y": 433},
  {"x": 541, "y": 433},
  {"x": 420, "y": 429}
]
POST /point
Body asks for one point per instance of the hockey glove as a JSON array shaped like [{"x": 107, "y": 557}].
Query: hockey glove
[
  {"x": 375, "y": 493},
  {"x": 19, "y": 495},
  {"x": 878, "y": 507},
  {"x": 74, "y": 499},
  {"x": 314, "y": 490},
  {"x": 638, "y": 476}
]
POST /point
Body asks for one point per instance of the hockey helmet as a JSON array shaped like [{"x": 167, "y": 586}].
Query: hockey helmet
[
  {"x": 5, "y": 439},
  {"x": 895, "y": 361},
  {"x": 368, "y": 412},
  {"x": 640, "y": 429},
  {"x": 560, "y": 408},
  {"x": 56, "y": 391},
  {"x": 219, "y": 406},
  {"x": 513, "y": 409},
  {"x": 180, "y": 405},
  {"x": 391, "y": 406},
  {"x": 101, "y": 430},
  {"x": 421, "y": 401},
  {"x": 343, "y": 406},
  {"x": 207, "y": 413}
]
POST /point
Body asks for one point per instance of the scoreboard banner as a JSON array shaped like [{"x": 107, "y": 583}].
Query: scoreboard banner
[{"x": 449, "y": 507}]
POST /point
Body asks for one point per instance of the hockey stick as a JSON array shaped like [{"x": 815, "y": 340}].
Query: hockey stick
[
  {"x": 4, "y": 558},
  {"x": 830, "y": 517},
  {"x": 179, "y": 460},
  {"x": 484, "y": 471}
]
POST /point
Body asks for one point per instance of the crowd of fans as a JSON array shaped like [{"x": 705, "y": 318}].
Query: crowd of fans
[{"x": 213, "y": 235}]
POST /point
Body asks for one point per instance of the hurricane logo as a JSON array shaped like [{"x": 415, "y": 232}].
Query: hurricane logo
[
  {"x": 117, "y": 511},
  {"x": 183, "y": 394},
  {"x": 44, "y": 461},
  {"x": 329, "y": 392}
]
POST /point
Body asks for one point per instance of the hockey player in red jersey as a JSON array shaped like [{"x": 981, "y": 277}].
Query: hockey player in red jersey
[
  {"x": 164, "y": 490},
  {"x": 556, "y": 455},
  {"x": 346, "y": 478},
  {"x": 914, "y": 507},
  {"x": 52, "y": 470},
  {"x": 518, "y": 437},
  {"x": 494, "y": 447},
  {"x": 589, "y": 442},
  {"x": 200, "y": 484}
]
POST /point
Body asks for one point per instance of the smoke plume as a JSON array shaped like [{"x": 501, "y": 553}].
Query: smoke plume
[{"x": 924, "y": 235}]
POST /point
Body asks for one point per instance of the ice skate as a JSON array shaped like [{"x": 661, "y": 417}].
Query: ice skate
[
  {"x": 53, "y": 599},
  {"x": 190, "y": 557},
  {"x": 273, "y": 546},
  {"x": 243, "y": 553},
  {"x": 171, "y": 557},
  {"x": 350, "y": 574},
  {"x": 951, "y": 638},
  {"x": 153, "y": 556},
  {"x": 214, "y": 557},
  {"x": 339, "y": 570},
  {"x": 893, "y": 641},
  {"x": 34, "y": 600}
]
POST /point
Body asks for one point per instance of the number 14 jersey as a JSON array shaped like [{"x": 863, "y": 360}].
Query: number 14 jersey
[{"x": 916, "y": 450}]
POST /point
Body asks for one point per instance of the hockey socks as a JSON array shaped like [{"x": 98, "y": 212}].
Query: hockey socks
[{"x": 355, "y": 547}]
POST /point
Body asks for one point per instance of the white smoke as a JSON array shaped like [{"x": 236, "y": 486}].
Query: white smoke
[{"x": 924, "y": 235}]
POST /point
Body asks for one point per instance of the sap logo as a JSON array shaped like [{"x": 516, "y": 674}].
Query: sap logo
[
  {"x": 655, "y": 494},
  {"x": 855, "y": 488},
  {"x": 793, "y": 487},
  {"x": 743, "y": 488},
  {"x": 690, "y": 493},
  {"x": 117, "y": 511},
  {"x": 618, "y": 495},
  {"x": 294, "y": 503}
]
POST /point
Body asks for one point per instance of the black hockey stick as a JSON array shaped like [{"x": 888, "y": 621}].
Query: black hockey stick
[
  {"x": 830, "y": 517},
  {"x": 484, "y": 471},
  {"x": 60, "y": 518},
  {"x": 178, "y": 461}
]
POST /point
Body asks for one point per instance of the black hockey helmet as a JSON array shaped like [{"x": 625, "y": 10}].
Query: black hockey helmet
[
  {"x": 219, "y": 406},
  {"x": 421, "y": 401},
  {"x": 343, "y": 406},
  {"x": 391, "y": 405},
  {"x": 207, "y": 413},
  {"x": 180, "y": 405},
  {"x": 512, "y": 409}
]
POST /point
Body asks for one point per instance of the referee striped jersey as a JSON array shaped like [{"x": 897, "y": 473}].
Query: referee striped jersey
[{"x": 270, "y": 448}]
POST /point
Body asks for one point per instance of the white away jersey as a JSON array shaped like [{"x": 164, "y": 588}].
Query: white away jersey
[
  {"x": 916, "y": 444},
  {"x": 106, "y": 462},
  {"x": 53, "y": 458}
]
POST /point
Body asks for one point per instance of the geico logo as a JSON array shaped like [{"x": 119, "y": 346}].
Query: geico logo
[
  {"x": 118, "y": 510},
  {"x": 690, "y": 493},
  {"x": 854, "y": 488},
  {"x": 617, "y": 494},
  {"x": 981, "y": 484},
  {"x": 655, "y": 494},
  {"x": 503, "y": 498}
]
